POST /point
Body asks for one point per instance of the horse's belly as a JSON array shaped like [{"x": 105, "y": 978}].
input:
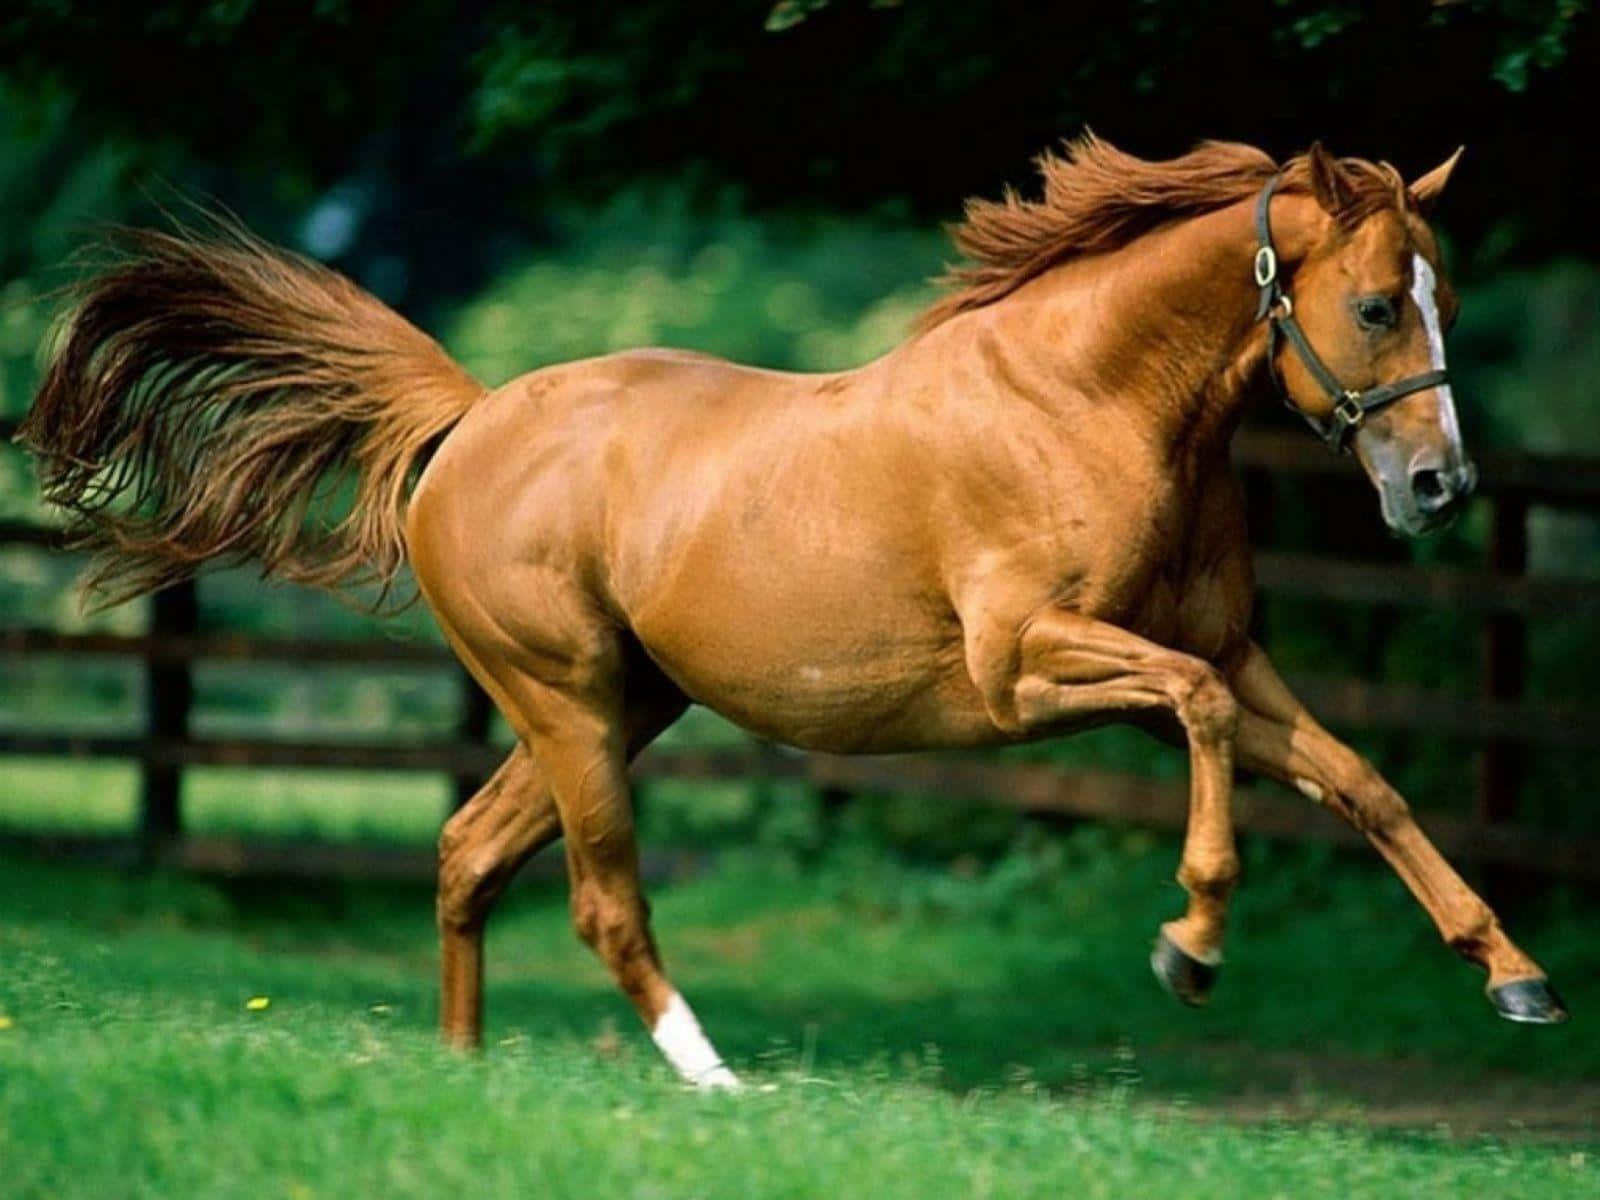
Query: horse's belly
[
  {"x": 820, "y": 674},
  {"x": 816, "y": 710}
]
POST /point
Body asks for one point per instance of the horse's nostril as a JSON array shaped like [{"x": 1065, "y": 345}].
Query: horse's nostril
[{"x": 1431, "y": 488}]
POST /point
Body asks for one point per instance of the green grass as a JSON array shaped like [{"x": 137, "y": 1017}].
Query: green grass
[
  {"x": 68, "y": 794},
  {"x": 56, "y": 795},
  {"x": 910, "y": 1031},
  {"x": 398, "y": 806}
]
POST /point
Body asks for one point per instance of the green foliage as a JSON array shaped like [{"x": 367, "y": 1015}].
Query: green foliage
[
  {"x": 786, "y": 14},
  {"x": 48, "y": 183},
  {"x": 528, "y": 76},
  {"x": 481, "y": 110},
  {"x": 1530, "y": 347},
  {"x": 1322, "y": 21},
  {"x": 651, "y": 268},
  {"x": 1535, "y": 36},
  {"x": 235, "y": 79}
]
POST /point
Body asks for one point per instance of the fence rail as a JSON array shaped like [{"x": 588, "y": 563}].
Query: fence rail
[{"x": 1501, "y": 719}]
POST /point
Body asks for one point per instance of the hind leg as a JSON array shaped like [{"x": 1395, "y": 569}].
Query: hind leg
[
  {"x": 510, "y": 819},
  {"x": 580, "y": 745},
  {"x": 582, "y": 695}
]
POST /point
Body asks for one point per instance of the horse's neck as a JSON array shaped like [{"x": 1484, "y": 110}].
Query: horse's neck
[{"x": 1163, "y": 329}]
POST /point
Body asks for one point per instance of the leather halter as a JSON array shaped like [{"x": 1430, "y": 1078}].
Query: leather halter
[{"x": 1350, "y": 406}]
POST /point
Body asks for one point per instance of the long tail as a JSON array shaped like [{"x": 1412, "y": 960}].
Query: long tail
[{"x": 208, "y": 400}]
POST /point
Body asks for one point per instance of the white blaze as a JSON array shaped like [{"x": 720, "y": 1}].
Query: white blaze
[
  {"x": 1424, "y": 284},
  {"x": 679, "y": 1037}
]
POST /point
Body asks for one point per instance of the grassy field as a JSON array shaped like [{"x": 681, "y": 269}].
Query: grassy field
[{"x": 909, "y": 1031}]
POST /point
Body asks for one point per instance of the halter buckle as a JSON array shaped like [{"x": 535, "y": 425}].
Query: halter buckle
[
  {"x": 1266, "y": 266},
  {"x": 1347, "y": 411},
  {"x": 1282, "y": 308}
]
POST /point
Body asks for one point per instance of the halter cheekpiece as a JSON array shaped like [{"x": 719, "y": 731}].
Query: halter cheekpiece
[{"x": 1350, "y": 406}]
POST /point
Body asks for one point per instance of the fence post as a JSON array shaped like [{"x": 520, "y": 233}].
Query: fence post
[
  {"x": 169, "y": 695},
  {"x": 473, "y": 729},
  {"x": 1505, "y": 673}
]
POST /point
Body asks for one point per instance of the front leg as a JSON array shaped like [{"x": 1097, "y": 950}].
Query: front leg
[
  {"x": 1065, "y": 668},
  {"x": 1278, "y": 737}
]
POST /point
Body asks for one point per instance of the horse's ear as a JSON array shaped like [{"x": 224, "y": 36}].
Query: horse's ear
[
  {"x": 1329, "y": 184},
  {"x": 1425, "y": 189}
]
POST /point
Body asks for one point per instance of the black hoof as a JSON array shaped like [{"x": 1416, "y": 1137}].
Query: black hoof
[
  {"x": 1187, "y": 978},
  {"x": 1530, "y": 1001}
]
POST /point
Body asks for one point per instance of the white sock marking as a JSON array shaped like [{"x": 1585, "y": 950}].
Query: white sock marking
[
  {"x": 677, "y": 1034},
  {"x": 1424, "y": 285}
]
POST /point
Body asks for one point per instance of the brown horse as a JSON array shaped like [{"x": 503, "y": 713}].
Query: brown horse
[{"x": 1019, "y": 523}]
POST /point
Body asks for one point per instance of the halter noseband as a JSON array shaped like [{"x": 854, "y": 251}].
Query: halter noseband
[{"x": 1350, "y": 407}]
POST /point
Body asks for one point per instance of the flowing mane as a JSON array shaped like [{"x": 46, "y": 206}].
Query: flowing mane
[{"x": 1098, "y": 198}]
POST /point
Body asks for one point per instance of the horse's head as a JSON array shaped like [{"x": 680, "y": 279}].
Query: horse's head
[{"x": 1371, "y": 297}]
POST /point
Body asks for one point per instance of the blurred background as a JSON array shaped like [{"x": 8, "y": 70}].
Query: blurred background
[
  {"x": 533, "y": 183},
  {"x": 218, "y": 806}
]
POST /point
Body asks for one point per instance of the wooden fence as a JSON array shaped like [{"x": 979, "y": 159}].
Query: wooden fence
[{"x": 1501, "y": 720}]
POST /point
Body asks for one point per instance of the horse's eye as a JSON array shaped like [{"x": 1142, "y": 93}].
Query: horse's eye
[{"x": 1375, "y": 312}]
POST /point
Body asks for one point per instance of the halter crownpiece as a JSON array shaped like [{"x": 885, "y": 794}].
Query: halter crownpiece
[{"x": 1350, "y": 406}]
